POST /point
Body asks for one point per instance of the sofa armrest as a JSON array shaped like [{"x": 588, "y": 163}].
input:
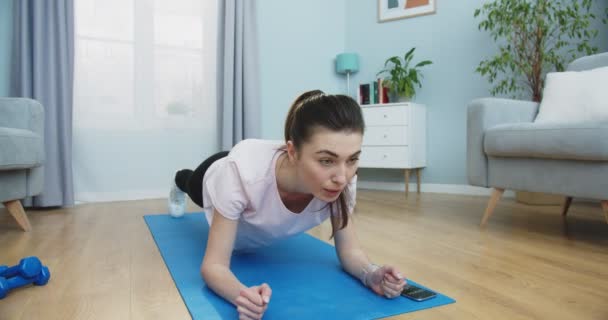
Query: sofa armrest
[
  {"x": 483, "y": 114},
  {"x": 22, "y": 113}
]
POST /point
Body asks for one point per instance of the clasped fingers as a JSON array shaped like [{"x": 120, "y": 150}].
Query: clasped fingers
[
  {"x": 250, "y": 308},
  {"x": 392, "y": 289}
]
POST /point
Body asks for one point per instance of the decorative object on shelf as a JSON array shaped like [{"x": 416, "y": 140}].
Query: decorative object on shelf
[
  {"x": 389, "y": 10},
  {"x": 534, "y": 37},
  {"x": 401, "y": 78},
  {"x": 373, "y": 93},
  {"x": 347, "y": 63}
]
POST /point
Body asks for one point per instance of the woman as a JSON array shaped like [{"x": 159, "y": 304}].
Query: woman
[{"x": 263, "y": 191}]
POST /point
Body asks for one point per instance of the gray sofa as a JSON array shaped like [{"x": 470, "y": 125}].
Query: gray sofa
[
  {"x": 507, "y": 150},
  {"x": 21, "y": 154}
]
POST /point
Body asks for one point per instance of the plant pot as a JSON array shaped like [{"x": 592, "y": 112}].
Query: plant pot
[
  {"x": 538, "y": 198},
  {"x": 399, "y": 98}
]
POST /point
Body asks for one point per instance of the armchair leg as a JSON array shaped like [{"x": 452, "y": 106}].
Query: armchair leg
[
  {"x": 15, "y": 208},
  {"x": 496, "y": 194},
  {"x": 605, "y": 208},
  {"x": 566, "y": 205}
]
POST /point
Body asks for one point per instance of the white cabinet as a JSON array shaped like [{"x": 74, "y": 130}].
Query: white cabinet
[{"x": 395, "y": 137}]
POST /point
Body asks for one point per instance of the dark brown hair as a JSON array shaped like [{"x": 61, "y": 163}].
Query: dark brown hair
[{"x": 338, "y": 113}]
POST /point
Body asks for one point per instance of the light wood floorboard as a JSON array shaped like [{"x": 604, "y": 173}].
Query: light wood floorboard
[{"x": 527, "y": 263}]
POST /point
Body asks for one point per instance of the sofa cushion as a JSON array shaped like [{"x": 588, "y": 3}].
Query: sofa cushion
[
  {"x": 20, "y": 149},
  {"x": 581, "y": 141},
  {"x": 574, "y": 97}
]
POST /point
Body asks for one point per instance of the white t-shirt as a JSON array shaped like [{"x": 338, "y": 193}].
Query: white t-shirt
[{"x": 243, "y": 187}]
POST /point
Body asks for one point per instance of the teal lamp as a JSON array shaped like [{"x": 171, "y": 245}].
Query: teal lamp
[{"x": 347, "y": 63}]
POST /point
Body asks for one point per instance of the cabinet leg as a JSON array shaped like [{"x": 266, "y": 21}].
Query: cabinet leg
[
  {"x": 566, "y": 205},
  {"x": 418, "y": 179},
  {"x": 605, "y": 208},
  {"x": 407, "y": 181}
]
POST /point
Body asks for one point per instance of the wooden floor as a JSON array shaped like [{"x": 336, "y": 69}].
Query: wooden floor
[{"x": 527, "y": 263}]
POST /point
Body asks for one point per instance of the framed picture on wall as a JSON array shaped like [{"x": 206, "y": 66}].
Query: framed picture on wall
[{"x": 399, "y": 9}]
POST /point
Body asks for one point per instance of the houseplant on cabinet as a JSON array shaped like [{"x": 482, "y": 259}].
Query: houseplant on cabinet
[
  {"x": 534, "y": 37},
  {"x": 401, "y": 78}
]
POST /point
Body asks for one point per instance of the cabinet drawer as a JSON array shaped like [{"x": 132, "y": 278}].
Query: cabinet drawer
[
  {"x": 384, "y": 157},
  {"x": 385, "y": 136},
  {"x": 385, "y": 116}
]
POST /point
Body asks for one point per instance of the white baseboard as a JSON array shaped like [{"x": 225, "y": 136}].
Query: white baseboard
[
  {"x": 431, "y": 188},
  {"x": 86, "y": 197}
]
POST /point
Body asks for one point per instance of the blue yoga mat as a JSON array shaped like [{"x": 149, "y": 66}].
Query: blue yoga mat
[{"x": 303, "y": 272}]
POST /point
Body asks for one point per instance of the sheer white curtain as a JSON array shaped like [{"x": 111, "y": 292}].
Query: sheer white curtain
[{"x": 144, "y": 95}]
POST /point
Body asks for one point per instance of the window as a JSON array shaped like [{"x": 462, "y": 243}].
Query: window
[
  {"x": 144, "y": 95},
  {"x": 143, "y": 59}
]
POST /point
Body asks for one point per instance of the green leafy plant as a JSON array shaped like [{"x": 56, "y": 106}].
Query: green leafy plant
[
  {"x": 535, "y": 37},
  {"x": 401, "y": 79},
  {"x": 178, "y": 107}
]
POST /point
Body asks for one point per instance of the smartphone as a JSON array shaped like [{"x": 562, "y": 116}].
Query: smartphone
[{"x": 417, "y": 293}]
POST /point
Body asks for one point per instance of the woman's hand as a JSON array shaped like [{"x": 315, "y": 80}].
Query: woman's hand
[
  {"x": 387, "y": 281},
  {"x": 252, "y": 302}
]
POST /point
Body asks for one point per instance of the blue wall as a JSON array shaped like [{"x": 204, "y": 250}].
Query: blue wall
[
  {"x": 298, "y": 43},
  {"x": 6, "y": 8},
  {"x": 297, "y": 49},
  {"x": 297, "y": 54},
  {"x": 450, "y": 38}
]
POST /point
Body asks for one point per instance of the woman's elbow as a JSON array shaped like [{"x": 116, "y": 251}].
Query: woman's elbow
[{"x": 205, "y": 271}]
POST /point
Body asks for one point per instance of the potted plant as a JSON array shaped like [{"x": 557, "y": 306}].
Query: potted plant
[
  {"x": 401, "y": 78},
  {"x": 534, "y": 37}
]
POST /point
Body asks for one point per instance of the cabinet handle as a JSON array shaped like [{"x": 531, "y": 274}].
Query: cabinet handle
[
  {"x": 385, "y": 135},
  {"x": 384, "y": 157},
  {"x": 384, "y": 116}
]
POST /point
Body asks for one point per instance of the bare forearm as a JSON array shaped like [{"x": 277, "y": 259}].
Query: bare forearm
[
  {"x": 222, "y": 281},
  {"x": 355, "y": 262},
  {"x": 385, "y": 280}
]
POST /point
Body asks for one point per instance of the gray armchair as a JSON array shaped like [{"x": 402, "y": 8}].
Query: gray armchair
[
  {"x": 21, "y": 154},
  {"x": 507, "y": 150}
]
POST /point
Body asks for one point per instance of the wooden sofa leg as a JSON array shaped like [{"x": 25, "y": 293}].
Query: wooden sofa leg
[
  {"x": 566, "y": 205},
  {"x": 496, "y": 194},
  {"x": 15, "y": 208},
  {"x": 605, "y": 208}
]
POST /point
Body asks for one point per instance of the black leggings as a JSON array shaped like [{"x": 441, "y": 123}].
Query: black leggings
[{"x": 191, "y": 182}]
